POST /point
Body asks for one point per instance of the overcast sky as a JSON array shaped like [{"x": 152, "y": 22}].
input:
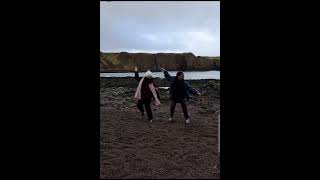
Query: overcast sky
[{"x": 160, "y": 26}]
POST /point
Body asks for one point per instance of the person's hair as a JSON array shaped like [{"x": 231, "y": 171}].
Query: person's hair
[{"x": 179, "y": 73}]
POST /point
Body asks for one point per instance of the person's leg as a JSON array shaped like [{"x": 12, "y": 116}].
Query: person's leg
[
  {"x": 140, "y": 106},
  {"x": 147, "y": 103},
  {"x": 184, "y": 109},
  {"x": 173, "y": 106}
]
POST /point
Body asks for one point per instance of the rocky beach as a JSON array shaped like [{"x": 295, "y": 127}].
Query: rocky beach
[{"x": 132, "y": 147}]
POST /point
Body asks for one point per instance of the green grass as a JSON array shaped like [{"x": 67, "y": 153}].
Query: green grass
[{"x": 111, "y": 59}]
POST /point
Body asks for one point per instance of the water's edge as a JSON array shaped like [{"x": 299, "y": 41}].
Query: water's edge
[{"x": 188, "y": 74}]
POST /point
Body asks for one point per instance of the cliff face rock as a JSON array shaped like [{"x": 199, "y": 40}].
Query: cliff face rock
[{"x": 124, "y": 61}]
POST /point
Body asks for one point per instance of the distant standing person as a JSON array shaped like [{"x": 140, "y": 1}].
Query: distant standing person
[
  {"x": 179, "y": 93},
  {"x": 146, "y": 91}
]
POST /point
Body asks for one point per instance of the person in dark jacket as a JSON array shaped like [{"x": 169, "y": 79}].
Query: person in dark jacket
[
  {"x": 179, "y": 93},
  {"x": 146, "y": 91}
]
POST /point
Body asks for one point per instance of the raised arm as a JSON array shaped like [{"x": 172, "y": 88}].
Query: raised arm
[
  {"x": 136, "y": 74},
  {"x": 167, "y": 75}
]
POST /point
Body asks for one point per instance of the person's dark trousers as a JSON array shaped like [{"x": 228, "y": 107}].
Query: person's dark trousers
[
  {"x": 184, "y": 108},
  {"x": 146, "y": 103}
]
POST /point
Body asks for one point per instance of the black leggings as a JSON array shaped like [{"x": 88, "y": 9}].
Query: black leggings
[
  {"x": 184, "y": 108},
  {"x": 146, "y": 103}
]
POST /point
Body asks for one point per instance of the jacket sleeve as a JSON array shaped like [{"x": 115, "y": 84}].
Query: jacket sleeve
[
  {"x": 167, "y": 76},
  {"x": 136, "y": 76},
  {"x": 190, "y": 89},
  {"x": 158, "y": 94}
]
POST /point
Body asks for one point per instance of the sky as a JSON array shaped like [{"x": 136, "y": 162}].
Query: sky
[{"x": 160, "y": 26}]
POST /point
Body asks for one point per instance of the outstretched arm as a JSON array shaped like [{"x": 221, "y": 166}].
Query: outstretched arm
[
  {"x": 136, "y": 74},
  {"x": 167, "y": 75},
  {"x": 191, "y": 90}
]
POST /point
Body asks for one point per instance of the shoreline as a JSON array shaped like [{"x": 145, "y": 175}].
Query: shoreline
[
  {"x": 161, "y": 82},
  {"x": 121, "y": 71}
]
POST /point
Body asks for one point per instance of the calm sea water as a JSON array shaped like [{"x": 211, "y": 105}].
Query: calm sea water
[{"x": 187, "y": 74}]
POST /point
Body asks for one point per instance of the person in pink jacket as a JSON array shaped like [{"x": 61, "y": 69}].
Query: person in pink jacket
[{"x": 145, "y": 92}]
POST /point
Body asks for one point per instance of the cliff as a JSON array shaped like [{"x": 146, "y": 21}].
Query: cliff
[{"x": 124, "y": 61}]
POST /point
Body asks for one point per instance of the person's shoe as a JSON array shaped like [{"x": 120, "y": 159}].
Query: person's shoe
[
  {"x": 187, "y": 121},
  {"x": 151, "y": 120},
  {"x": 170, "y": 120}
]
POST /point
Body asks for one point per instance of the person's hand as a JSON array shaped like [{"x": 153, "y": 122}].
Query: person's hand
[
  {"x": 135, "y": 69},
  {"x": 162, "y": 69}
]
